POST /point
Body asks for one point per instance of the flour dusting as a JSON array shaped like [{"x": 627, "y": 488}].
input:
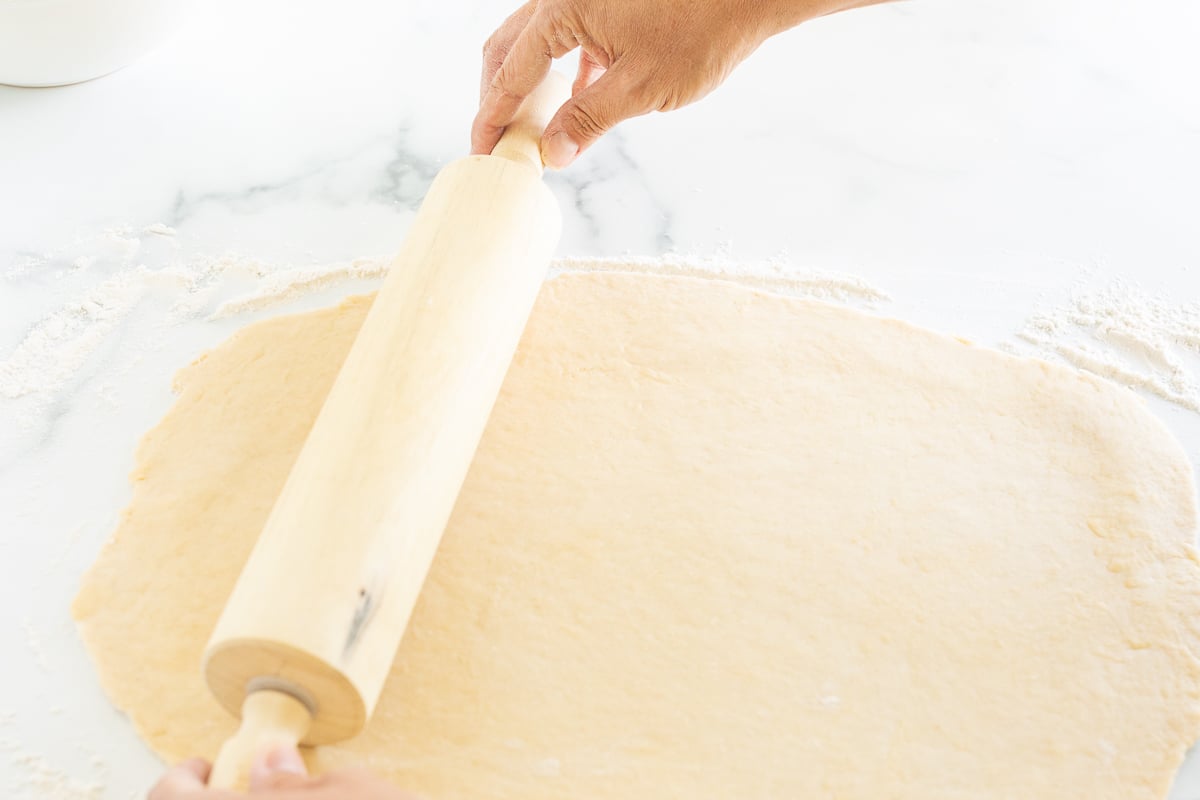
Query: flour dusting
[
  {"x": 109, "y": 281},
  {"x": 58, "y": 345},
  {"x": 1123, "y": 334},
  {"x": 102, "y": 292},
  {"x": 778, "y": 276},
  {"x": 159, "y": 229},
  {"x": 44, "y": 781},
  {"x": 34, "y": 642},
  {"x": 1120, "y": 333},
  {"x": 37, "y": 779},
  {"x": 285, "y": 284}
]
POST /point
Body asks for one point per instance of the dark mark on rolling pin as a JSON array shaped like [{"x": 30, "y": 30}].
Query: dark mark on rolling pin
[{"x": 363, "y": 611}]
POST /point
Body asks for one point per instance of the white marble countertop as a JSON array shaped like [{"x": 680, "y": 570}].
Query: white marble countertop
[{"x": 978, "y": 161}]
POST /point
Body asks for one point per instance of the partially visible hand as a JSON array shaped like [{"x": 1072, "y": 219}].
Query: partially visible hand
[
  {"x": 278, "y": 776},
  {"x": 637, "y": 56}
]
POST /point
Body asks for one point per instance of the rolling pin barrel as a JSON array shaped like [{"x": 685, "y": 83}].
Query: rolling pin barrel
[{"x": 313, "y": 624}]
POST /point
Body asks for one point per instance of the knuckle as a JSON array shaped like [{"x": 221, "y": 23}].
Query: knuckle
[
  {"x": 560, "y": 40},
  {"x": 559, "y": 28},
  {"x": 668, "y": 100},
  {"x": 651, "y": 95},
  {"x": 494, "y": 53},
  {"x": 587, "y": 122},
  {"x": 499, "y": 87}
]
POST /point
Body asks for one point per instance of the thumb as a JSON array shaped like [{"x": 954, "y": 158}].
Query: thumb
[
  {"x": 587, "y": 116},
  {"x": 279, "y": 768}
]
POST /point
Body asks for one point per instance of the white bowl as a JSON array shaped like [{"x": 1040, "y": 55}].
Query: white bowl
[{"x": 56, "y": 42}]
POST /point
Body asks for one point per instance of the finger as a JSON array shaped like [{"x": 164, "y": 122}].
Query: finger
[
  {"x": 186, "y": 778},
  {"x": 589, "y": 71},
  {"x": 587, "y": 116},
  {"x": 278, "y": 768},
  {"x": 524, "y": 68},
  {"x": 498, "y": 45}
]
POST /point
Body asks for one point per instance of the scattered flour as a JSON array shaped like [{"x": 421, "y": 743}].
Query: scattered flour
[
  {"x": 778, "y": 276},
  {"x": 1123, "y": 334},
  {"x": 288, "y": 283},
  {"x": 33, "y": 777},
  {"x": 280, "y": 285},
  {"x": 102, "y": 292},
  {"x": 57, "y": 346},
  {"x": 34, "y": 642},
  {"x": 1120, "y": 333},
  {"x": 159, "y": 229},
  {"x": 43, "y": 781},
  {"x": 112, "y": 281}
]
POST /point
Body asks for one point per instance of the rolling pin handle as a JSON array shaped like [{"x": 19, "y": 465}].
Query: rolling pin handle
[
  {"x": 522, "y": 139},
  {"x": 270, "y": 719}
]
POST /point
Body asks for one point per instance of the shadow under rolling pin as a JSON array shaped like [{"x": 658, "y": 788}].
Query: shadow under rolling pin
[{"x": 310, "y": 631}]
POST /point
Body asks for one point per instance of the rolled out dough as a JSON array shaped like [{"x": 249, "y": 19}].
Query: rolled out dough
[{"x": 715, "y": 543}]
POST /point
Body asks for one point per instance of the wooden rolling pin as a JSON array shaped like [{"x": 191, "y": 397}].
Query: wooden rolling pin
[{"x": 310, "y": 631}]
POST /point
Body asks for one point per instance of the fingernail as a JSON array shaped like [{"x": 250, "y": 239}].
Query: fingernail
[
  {"x": 285, "y": 759},
  {"x": 561, "y": 150}
]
